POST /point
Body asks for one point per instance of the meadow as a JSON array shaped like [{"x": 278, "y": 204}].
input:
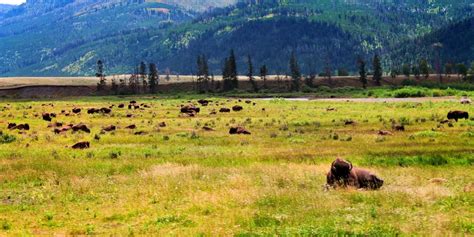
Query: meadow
[{"x": 181, "y": 180}]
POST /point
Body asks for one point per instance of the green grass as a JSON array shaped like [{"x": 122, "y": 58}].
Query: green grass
[{"x": 181, "y": 180}]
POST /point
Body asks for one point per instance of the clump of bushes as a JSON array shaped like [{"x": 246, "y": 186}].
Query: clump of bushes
[
  {"x": 409, "y": 91},
  {"x": 6, "y": 138}
]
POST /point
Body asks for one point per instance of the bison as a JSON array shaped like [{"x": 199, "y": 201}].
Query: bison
[
  {"x": 13, "y": 126},
  {"x": 81, "y": 145},
  {"x": 93, "y": 111},
  {"x": 109, "y": 128},
  {"x": 456, "y": 115},
  {"x": 190, "y": 110},
  {"x": 399, "y": 128},
  {"x": 237, "y": 108},
  {"x": 343, "y": 174},
  {"x": 80, "y": 127},
  {"x": 133, "y": 126},
  {"x": 204, "y": 102},
  {"x": 238, "y": 130},
  {"x": 76, "y": 110},
  {"x": 162, "y": 124},
  {"x": 105, "y": 110},
  {"x": 63, "y": 129},
  {"x": 48, "y": 116},
  {"x": 384, "y": 133},
  {"x": 224, "y": 110}
]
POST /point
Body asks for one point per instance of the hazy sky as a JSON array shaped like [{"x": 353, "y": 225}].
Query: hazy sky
[{"x": 12, "y": 1}]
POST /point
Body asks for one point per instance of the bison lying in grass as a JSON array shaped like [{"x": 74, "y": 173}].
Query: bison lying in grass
[
  {"x": 81, "y": 145},
  {"x": 13, "y": 126},
  {"x": 343, "y": 174},
  {"x": 238, "y": 130}
]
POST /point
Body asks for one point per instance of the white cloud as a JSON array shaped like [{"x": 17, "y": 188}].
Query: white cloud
[{"x": 12, "y": 1}]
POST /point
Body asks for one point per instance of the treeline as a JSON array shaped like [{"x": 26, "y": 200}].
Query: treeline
[{"x": 146, "y": 79}]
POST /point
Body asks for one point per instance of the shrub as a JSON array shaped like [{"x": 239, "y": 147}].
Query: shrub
[
  {"x": 6, "y": 138},
  {"x": 408, "y": 92}
]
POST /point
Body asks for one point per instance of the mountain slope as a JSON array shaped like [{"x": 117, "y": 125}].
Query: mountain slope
[
  {"x": 67, "y": 37},
  {"x": 5, "y": 8},
  {"x": 457, "y": 41}
]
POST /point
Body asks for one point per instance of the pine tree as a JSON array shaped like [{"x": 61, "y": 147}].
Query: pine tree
[
  {"x": 142, "y": 74},
  {"x": 226, "y": 76},
  {"x": 233, "y": 70},
  {"x": 406, "y": 70},
  {"x": 378, "y": 71},
  {"x": 133, "y": 83},
  {"x": 362, "y": 73},
  {"x": 462, "y": 70},
  {"x": 394, "y": 73},
  {"x": 295, "y": 72},
  {"x": 424, "y": 68},
  {"x": 101, "y": 85},
  {"x": 123, "y": 86},
  {"x": 153, "y": 78},
  {"x": 199, "y": 74},
  {"x": 416, "y": 71},
  {"x": 250, "y": 74},
  {"x": 114, "y": 86},
  {"x": 263, "y": 75},
  {"x": 205, "y": 72},
  {"x": 448, "y": 68}
]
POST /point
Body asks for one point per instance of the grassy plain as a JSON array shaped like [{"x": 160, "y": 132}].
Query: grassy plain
[{"x": 181, "y": 180}]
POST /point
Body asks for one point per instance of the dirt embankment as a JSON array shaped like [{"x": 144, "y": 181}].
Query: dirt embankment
[
  {"x": 46, "y": 91},
  {"x": 54, "y": 87}
]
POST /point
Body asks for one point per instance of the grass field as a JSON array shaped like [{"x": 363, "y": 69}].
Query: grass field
[{"x": 181, "y": 180}]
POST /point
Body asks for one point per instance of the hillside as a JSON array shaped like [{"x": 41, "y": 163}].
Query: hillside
[
  {"x": 457, "y": 40},
  {"x": 5, "y": 8},
  {"x": 173, "y": 32}
]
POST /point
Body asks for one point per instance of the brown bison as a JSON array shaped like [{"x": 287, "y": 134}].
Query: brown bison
[
  {"x": 190, "y": 110},
  {"x": 81, "y": 145},
  {"x": 209, "y": 129},
  {"x": 105, "y": 110},
  {"x": 238, "y": 130},
  {"x": 13, "y": 126},
  {"x": 63, "y": 129},
  {"x": 48, "y": 116},
  {"x": 76, "y": 110},
  {"x": 237, "y": 108},
  {"x": 109, "y": 128},
  {"x": 224, "y": 110},
  {"x": 80, "y": 127},
  {"x": 384, "y": 133},
  {"x": 56, "y": 124},
  {"x": 349, "y": 122},
  {"x": 121, "y": 106},
  {"x": 204, "y": 102},
  {"x": 343, "y": 174},
  {"x": 399, "y": 128},
  {"x": 162, "y": 124},
  {"x": 456, "y": 115},
  {"x": 93, "y": 111},
  {"x": 133, "y": 126}
]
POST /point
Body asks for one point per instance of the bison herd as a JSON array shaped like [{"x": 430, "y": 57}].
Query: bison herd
[{"x": 341, "y": 174}]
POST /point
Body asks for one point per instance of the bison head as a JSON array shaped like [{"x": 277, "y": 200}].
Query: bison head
[{"x": 341, "y": 168}]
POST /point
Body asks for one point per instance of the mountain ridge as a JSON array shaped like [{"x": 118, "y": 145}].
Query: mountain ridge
[{"x": 166, "y": 33}]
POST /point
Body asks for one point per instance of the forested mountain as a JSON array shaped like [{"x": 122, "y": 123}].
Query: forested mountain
[
  {"x": 457, "y": 45},
  {"x": 67, "y": 37},
  {"x": 5, "y": 8}
]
